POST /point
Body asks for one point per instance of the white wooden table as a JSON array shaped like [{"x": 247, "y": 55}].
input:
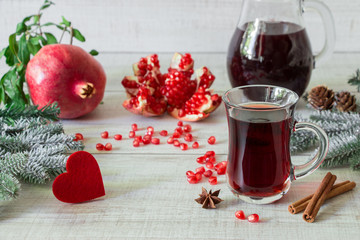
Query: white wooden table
[{"x": 147, "y": 194}]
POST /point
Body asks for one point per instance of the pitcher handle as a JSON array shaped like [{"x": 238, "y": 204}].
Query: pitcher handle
[
  {"x": 300, "y": 171},
  {"x": 329, "y": 26}
]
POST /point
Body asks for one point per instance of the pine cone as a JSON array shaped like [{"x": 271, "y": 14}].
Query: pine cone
[
  {"x": 321, "y": 97},
  {"x": 345, "y": 102}
]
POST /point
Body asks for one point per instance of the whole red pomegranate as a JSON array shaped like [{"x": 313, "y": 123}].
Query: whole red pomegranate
[{"x": 68, "y": 75}]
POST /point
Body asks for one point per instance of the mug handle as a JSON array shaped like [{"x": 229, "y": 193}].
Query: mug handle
[
  {"x": 300, "y": 171},
  {"x": 329, "y": 26}
]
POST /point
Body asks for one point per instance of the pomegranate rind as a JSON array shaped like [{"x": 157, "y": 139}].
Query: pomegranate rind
[
  {"x": 204, "y": 77},
  {"x": 176, "y": 60}
]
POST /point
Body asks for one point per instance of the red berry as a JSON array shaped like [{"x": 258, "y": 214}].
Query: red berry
[
  {"x": 200, "y": 170},
  {"x": 99, "y": 147},
  {"x": 108, "y": 147},
  {"x": 190, "y": 173},
  {"x": 179, "y": 130},
  {"x": 188, "y": 137},
  {"x": 253, "y": 218},
  {"x": 170, "y": 140},
  {"x": 201, "y": 160},
  {"x": 210, "y": 159},
  {"x": 163, "y": 133},
  {"x": 213, "y": 180},
  {"x": 150, "y": 129},
  {"x": 192, "y": 180},
  {"x": 183, "y": 146},
  {"x": 176, "y": 143},
  {"x": 117, "y": 137},
  {"x": 212, "y": 140},
  {"x": 210, "y": 153},
  {"x": 146, "y": 140},
  {"x": 176, "y": 134},
  {"x": 240, "y": 215},
  {"x": 138, "y": 138},
  {"x": 136, "y": 143},
  {"x": 198, "y": 176},
  {"x": 155, "y": 141},
  {"x": 105, "y": 134},
  {"x": 209, "y": 165},
  {"x": 134, "y": 127},
  {"x": 195, "y": 145},
  {"x": 78, "y": 137},
  {"x": 208, "y": 173},
  {"x": 180, "y": 123},
  {"x": 221, "y": 170},
  {"x": 131, "y": 134},
  {"x": 187, "y": 128}
]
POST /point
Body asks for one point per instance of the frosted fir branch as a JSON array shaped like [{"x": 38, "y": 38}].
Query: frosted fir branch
[
  {"x": 9, "y": 186},
  {"x": 13, "y": 163},
  {"x": 13, "y": 144},
  {"x": 332, "y": 116},
  {"x": 354, "y": 160},
  {"x": 54, "y": 164},
  {"x": 13, "y": 112},
  {"x": 20, "y": 125}
]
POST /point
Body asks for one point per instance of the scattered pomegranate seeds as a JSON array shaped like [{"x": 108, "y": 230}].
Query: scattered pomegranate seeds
[
  {"x": 187, "y": 128},
  {"x": 179, "y": 130},
  {"x": 213, "y": 180},
  {"x": 176, "y": 143},
  {"x": 200, "y": 170},
  {"x": 108, "y": 147},
  {"x": 149, "y": 133},
  {"x": 105, "y": 134},
  {"x": 117, "y": 137},
  {"x": 190, "y": 173},
  {"x": 155, "y": 141},
  {"x": 210, "y": 153},
  {"x": 253, "y": 218},
  {"x": 183, "y": 146},
  {"x": 192, "y": 180},
  {"x": 208, "y": 173},
  {"x": 209, "y": 165},
  {"x": 180, "y": 123},
  {"x": 99, "y": 147},
  {"x": 176, "y": 135},
  {"x": 139, "y": 139},
  {"x": 146, "y": 139},
  {"x": 201, "y": 160},
  {"x": 188, "y": 137},
  {"x": 78, "y": 137},
  {"x": 240, "y": 215},
  {"x": 164, "y": 133},
  {"x": 210, "y": 159},
  {"x": 198, "y": 176},
  {"x": 195, "y": 145},
  {"x": 150, "y": 129},
  {"x": 131, "y": 134},
  {"x": 211, "y": 140},
  {"x": 136, "y": 143},
  {"x": 170, "y": 140},
  {"x": 134, "y": 127}
]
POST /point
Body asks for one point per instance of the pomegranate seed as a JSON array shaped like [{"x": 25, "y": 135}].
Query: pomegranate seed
[
  {"x": 208, "y": 173},
  {"x": 164, "y": 133},
  {"x": 195, "y": 145},
  {"x": 99, "y": 147},
  {"x": 136, "y": 143},
  {"x": 210, "y": 159},
  {"x": 78, "y": 137},
  {"x": 150, "y": 129},
  {"x": 131, "y": 134},
  {"x": 184, "y": 146},
  {"x": 155, "y": 141},
  {"x": 200, "y": 170},
  {"x": 138, "y": 138},
  {"x": 209, "y": 165},
  {"x": 176, "y": 143},
  {"x": 190, "y": 173},
  {"x": 149, "y": 133},
  {"x": 180, "y": 123},
  {"x": 117, "y": 137},
  {"x": 187, "y": 128},
  {"x": 221, "y": 170},
  {"x": 108, "y": 147},
  {"x": 212, "y": 140},
  {"x": 240, "y": 215},
  {"x": 192, "y": 180},
  {"x": 201, "y": 160},
  {"x": 146, "y": 141},
  {"x": 170, "y": 140},
  {"x": 253, "y": 218},
  {"x": 213, "y": 180},
  {"x": 198, "y": 176},
  {"x": 176, "y": 134},
  {"x": 105, "y": 134},
  {"x": 210, "y": 153},
  {"x": 188, "y": 137},
  {"x": 179, "y": 130},
  {"x": 134, "y": 127}
]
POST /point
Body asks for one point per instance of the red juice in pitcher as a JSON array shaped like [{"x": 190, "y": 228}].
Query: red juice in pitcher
[
  {"x": 259, "y": 159},
  {"x": 279, "y": 54}
]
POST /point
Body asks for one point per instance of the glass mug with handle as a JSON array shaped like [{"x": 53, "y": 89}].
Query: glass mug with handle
[{"x": 260, "y": 121}]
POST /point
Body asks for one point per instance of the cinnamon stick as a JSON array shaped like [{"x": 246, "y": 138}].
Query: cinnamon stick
[
  {"x": 319, "y": 197},
  {"x": 336, "y": 190}
]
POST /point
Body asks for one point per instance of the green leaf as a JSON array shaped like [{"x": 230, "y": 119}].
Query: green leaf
[
  {"x": 27, "y": 18},
  {"x": 33, "y": 48},
  {"x": 78, "y": 35},
  {"x": 20, "y": 28},
  {"x": 94, "y": 52},
  {"x": 24, "y": 53},
  {"x": 65, "y": 22},
  {"x": 60, "y": 27},
  {"x": 46, "y": 5},
  {"x": 50, "y": 38},
  {"x": 36, "y": 18},
  {"x": 13, "y": 44},
  {"x": 2, "y": 52},
  {"x": 10, "y": 57},
  {"x": 36, "y": 40},
  {"x": 48, "y": 24}
]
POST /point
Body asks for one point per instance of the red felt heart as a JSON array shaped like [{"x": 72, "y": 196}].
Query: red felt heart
[{"x": 82, "y": 181}]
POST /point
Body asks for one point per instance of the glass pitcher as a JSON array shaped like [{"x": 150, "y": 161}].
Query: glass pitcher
[{"x": 270, "y": 44}]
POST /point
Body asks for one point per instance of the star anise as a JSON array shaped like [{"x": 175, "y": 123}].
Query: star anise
[{"x": 208, "y": 200}]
